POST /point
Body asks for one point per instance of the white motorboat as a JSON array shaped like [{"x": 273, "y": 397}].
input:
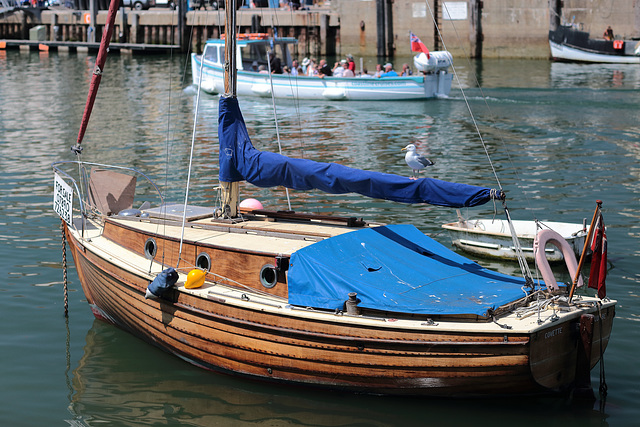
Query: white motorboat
[
  {"x": 492, "y": 238},
  {"x": 431, "y": 79}
]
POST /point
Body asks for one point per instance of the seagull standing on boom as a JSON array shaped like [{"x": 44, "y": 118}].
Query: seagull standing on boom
[{"x": 415, "y": 161}]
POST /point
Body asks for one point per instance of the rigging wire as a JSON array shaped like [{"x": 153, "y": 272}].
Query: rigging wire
[
  {"x": 275, "y": 118},
  {"x": 294, "y": 93},
  {"x": 193, "y": 142},
  {"x": 168, "y": 143},
  {"x": 524, "y": 267}
]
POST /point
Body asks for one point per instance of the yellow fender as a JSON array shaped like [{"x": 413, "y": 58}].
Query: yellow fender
[{"x": 195, "y": 279}]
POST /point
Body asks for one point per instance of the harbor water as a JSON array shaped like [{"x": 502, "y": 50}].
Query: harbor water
[{"x": 558, "y": 136}]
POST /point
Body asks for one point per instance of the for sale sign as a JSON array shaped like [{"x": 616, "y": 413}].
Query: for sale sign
[{"x": 62, "y": 199}]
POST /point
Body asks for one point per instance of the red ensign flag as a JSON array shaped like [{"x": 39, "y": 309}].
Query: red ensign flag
[
  {"x": 417, "y": 45},
  {"x": 598, "y": 272}
]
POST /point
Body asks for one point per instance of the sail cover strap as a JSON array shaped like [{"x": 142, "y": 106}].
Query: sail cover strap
[{"x": 239, "y": 160}]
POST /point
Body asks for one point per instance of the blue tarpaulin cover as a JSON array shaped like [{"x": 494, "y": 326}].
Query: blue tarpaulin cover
[
  {"x": 239, "y": 160},
  {"x": 396, "y": 268}
]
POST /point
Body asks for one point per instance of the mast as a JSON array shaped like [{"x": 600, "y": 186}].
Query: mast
[
  {"x": 230, "y": 190},
  {"x": 107, "y": 32}
]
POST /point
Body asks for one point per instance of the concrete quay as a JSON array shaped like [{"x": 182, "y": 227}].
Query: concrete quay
[
  {"x": 316, "y": 29},
  {"x": 365, "y": 28}
]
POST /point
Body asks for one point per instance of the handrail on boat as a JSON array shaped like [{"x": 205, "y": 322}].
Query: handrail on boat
[{"x": 84, "y": 196}]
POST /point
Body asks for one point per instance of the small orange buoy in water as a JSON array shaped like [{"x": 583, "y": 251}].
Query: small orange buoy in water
[{"x": 195, "y": 279}]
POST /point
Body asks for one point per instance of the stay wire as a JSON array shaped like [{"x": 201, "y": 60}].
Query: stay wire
[
  {"x": 491, "y": 115},
  {"x": 464, "y": 96},
  {"x": 169, "y": 139},
  {"x": 275, "y": 118},
  {"x": 294, "y": 92},
  {"x": 524, "y": 267}
]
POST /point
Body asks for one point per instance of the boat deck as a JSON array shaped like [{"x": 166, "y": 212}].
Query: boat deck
[{"x": 254, "y": 233}]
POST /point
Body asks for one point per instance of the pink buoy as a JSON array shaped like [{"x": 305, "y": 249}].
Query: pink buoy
[{"x": 251, "y": 204}]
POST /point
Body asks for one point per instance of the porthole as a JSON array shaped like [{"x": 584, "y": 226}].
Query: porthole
[
  {"x": 150, "y": 248},
  {"x": 268, "y": 276},
  {"x": 203, "y": 261}
]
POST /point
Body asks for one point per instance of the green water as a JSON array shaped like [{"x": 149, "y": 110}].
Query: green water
[{"x": 559, "y": 136}]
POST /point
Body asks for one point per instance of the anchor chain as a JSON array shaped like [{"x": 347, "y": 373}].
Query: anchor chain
[{"x": 64, "y": 270}]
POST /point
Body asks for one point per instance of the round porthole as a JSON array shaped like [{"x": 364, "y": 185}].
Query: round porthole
[
  {"x": 203, "y": 261},
  {"x": 268, "y": 276},
  {"x": 150, "y": 248}
]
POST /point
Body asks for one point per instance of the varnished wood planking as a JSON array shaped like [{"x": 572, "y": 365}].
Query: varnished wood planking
[
  {"x": 237, "y": 352},
  {"x": 241, "y": 267}
]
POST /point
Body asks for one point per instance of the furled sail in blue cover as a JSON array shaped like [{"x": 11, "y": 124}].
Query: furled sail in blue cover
[
  {"x": 239, "y": 161},
  {"x": 396, "y": 268}
]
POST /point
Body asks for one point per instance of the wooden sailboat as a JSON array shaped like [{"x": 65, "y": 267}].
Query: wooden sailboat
[{"x": 317, "y": 300}]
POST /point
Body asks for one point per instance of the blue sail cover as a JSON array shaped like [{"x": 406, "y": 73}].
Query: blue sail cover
[
  {"x": 396, "y": 268},
  {"x": 239, "y": 161}
]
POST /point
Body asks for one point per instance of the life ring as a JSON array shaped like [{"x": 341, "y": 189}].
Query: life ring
[{"x": 549, "y": 236}]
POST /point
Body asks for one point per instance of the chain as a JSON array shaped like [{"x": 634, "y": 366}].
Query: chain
[{"x": 64, "y": 270}]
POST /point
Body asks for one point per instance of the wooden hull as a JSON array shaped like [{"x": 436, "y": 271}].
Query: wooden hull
[{"x": 249, "y": 333}]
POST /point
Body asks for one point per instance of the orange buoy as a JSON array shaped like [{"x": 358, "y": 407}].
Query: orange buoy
[{"x": 195, "y": 279}]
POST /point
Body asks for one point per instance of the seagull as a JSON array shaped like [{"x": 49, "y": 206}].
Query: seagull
[{"x": 415, "y": 160}]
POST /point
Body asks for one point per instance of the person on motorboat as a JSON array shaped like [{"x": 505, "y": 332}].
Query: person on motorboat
[
  {"x": 608, "y": 34},
  {"x": 388, "y": 71}
]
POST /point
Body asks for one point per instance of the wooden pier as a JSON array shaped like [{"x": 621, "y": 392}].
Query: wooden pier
[{"x": 317, "y": 30}]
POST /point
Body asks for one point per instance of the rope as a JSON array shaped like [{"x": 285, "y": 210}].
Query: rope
[
  {"x": 603, "y": 382},
  {"x": 64, "y": 270}
]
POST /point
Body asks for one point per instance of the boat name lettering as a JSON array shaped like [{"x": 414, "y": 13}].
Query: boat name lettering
[
  {"x": 62, "y": 199},
  {"x": 371, "y": 82},
  {"x": 553, "y": 333}
]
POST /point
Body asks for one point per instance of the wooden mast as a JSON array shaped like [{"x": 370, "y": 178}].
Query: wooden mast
[
  {"x": 230, "y": 190},
  {"x": 107, "y": 32}
]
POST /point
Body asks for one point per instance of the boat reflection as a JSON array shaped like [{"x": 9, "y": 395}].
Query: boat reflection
[{"x": 123, "y": 381}]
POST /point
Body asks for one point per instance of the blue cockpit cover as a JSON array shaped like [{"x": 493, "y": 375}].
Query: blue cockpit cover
[
  {"x": 396, "y": 268},
  {"x": 239, "y": 160}
]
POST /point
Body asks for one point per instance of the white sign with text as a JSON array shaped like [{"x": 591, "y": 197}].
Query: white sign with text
[
  {"x": 454, "y": 10},
  {"x": 62, "y": 199}
]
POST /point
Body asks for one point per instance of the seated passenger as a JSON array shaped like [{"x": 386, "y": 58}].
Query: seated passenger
[
  {"x": 338, "y": 69},
  {"x": 388, "y": 71}
]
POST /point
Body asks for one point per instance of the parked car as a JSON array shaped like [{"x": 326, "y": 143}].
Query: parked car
[
  {"x": 171, "y": 4},
  {"x": 139, "y": 4}
]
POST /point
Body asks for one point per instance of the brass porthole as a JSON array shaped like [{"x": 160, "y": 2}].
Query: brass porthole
[
  {"x": 203, "y": 261},
  {"x": 268, "y": 276},
  {"x": 150, "y": 248}
]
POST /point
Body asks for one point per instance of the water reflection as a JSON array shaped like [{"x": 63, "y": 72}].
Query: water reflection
[{"x": 125, "y": 382}]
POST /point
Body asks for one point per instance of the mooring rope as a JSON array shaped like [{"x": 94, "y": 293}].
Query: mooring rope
[{"x": 603, "y": 382}]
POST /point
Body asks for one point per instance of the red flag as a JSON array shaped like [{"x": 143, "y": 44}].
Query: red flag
[
  {"x": 598, "y": 272},
  {"x": 417, "y": 45}
]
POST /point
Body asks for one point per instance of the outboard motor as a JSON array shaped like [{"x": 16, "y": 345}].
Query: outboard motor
[{"x": 437, "y": 61}]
